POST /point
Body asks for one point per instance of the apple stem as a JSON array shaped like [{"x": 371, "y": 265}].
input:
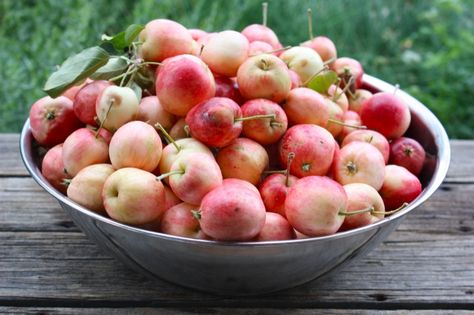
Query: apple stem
[
  {"x": 103, "y": 121},
  {"x": 338, "y": 122},
  {"x": 397, "y": 87},
  {"x": 392, "y": 211},
  {"x": 274, "y": 172},
  {"x": 187, "y": 130},
  {"x": 200, "y": 50},
  {"x": 272, "y": 51},
  {"x": 272, "y": 116},
  {"x": 314, "y": 75},
  {"x": 276, "y": 124},
  {"x": 291, "y": 156},
  {"x": 50, "y": 115},
  {"x": 66, "y": 182},
  {"x": 347, "y": 213},
  {"x": 344, "y": 90},
  {"x": 152, "y": 63},
  {"x": 167, "y": 136},
  {"x": 310, "y": 23},
  {"x": 264, "y": 13},
  {"x": 170, "y": 173},
  {"x": 329, "y": 61},
  {"x": 196, "y": 214}
]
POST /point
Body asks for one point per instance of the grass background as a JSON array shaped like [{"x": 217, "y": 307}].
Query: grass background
[{"x": 425, "y": 46}]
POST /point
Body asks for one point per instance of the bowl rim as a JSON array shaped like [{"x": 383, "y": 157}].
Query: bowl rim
[{"x": 442, "y": 164}]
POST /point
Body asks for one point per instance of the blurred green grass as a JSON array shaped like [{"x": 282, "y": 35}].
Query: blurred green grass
[{"x": 425, "y": 46}]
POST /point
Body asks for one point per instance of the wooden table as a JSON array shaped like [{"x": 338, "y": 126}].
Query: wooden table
[{"x": 47, "y": 265}]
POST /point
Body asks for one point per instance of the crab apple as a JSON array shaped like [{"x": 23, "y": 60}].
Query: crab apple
[
  {"x": 306, "y": 106},
  {"x": 86, "y": 187},
  {"x": 171, "y": 199},
  {"x": 72, "y": 91},
  {"x": 346, "y": 67},
  {"x": 304, "y": 61},
  {"x": 232, "y": 212},
  {"x": 192, "y": 176},
  {"x": 372, "y": 137},
  {"x": 152, "y": 112},
  {"x": 264, "y": 131},
  {"x": 359, "y": 162},
  {"x": 178, "y": 130},
  {"x": 350, "y": 118},
  {"x": 259, "y": 32},
  {"x": 104, "y": 133},
  {"x": 258, "y": 47},
  {"x": 178, "y": 148},
  {"x": 387, "y": 114},
  {"x": 203, "y": 40},
  {"x": 86, "y": 97},
  {"x": 362, "y": 196},
  {"x": 52, "y": 168},
  {"x": 358, "y": 99},
  {"x": 313, "y": 205},
  {"x": 135, "y": 144},
  {"x": 337, "y": 95},
  {"x": 182, "y": 82},
  {"x": 214, "y": 122},
  {"x": 409, "y": 153},
  {"x": 82, "y": 148},
  {"x": 133, "y": 196},
  {"x": 52, "y": 120},
  {"x": 295, "y": 79},
  {"x": 264, "y": 76},
  {"x": 323, "y": 46},
  {"x": 241, "y": 184},
  {"x": 336, "y": 116},
  {"x": 276, "y": 228},
  {"x": 196, "y": 33},
  {"x": 243, "y": 159},
  {"x": 225, "y": 52},
  {"x": 162, "y": 38},
  {"x": 179, "y": 221},
  {"x": 226, "y": 87},
  {"x": 116, "y": 106},
  {"x": 313, "y": 147},
  {"x": 399, "y": 186}
]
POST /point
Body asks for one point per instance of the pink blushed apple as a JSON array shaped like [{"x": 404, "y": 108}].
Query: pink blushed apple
[
  {"x": 151, "y": 112},
  {"x": 399, "y": 187},
  {"x": 276, "y": 228},
  {"x": 179, "y": 221},
  {"x": 52, "y": 168}
]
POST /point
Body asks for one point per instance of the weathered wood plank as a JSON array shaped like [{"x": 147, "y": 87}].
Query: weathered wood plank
[{"x": 461, "y": 170}]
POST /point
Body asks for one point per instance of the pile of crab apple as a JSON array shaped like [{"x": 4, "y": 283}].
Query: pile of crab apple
[{"x": 234, "y": 146}]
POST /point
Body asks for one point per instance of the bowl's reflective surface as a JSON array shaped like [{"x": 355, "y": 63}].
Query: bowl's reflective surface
[{"x": 251, "y": 268}]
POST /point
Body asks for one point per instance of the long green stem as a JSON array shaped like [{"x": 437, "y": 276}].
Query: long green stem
[
  {"x": 264, "y": 13},
  {"x": 291, "y": 156},
  {"x": 168, "y": 136},
  {"x": 310, "y": 23},
  {"x": 314, "y": 75},
  {"x": 346, "y": 213},
  {"x": 175, "y": 172},
  {"x": 338, "y": 122},
  {"x": 392, "y": 211},
  {"x": 272, "y": 116},
  {"x": 272, "y": 51},
  {"x": 102, "y": 121}
]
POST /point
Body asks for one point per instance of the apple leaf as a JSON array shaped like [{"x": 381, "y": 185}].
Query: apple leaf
[
  {"x": 132, "y": 32},
  {"x": 124, "y": 39},
  {"x": 114, "y": 67},
  {"x": 75, "y": 69},
  {"x": 137, "y": 89},
  {"x": 323, "y": 81}
]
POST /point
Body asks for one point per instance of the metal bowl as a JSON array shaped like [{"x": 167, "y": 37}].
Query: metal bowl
[{"x": 249, "y": 268}]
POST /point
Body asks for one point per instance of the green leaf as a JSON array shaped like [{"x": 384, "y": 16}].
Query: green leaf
[
  {"x": 323, "y": 81},
  {"x": 136, "y": 88},
  {"x": 75, "y": 69},
  {"x": 132, "y": 32},
  {"x": 114, "y": 67}
]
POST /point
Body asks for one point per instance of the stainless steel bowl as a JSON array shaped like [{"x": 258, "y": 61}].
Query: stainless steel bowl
[{"x": 251, "y": 267}]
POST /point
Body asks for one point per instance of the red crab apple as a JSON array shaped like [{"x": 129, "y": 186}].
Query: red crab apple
[
  {"x": 151, "y": 112},
  {"x": 232, "y": 213},
  {"x": 399, "y": 187},
  {"x": 259, "y": 32},
  {"x": 304, "y": 61},
  {"x": 358, "y": 99},
  {"x": 276, "y": 228},
  {"x": 226, "y": 87},
  {"x": 349, "y": 118},
  {"x": 82, "y": 148},
  {"x": 336, "y": 117},
  {"x": 370, "y": 136},
  {"x": 135, "y": 144},
  {"x": 258, "y": 47},
  {"x": 72, "y": 91},
  {"x": 179, "y": 221},
  {"x": 323, "y": 46},
  {"x": 306, "y": 106},
  {"x": 264, "y": 131},
  {"x": 264, "y": 76},
  {"x": 133, "y": 196},
  {"x": 313, "y": 147},
  {"x": 86, "y": 187},
  {"x": 359, "y": 162},
  {"x": 313, "y": 205},
  {"x": 196, "y": 33},
  {"x": 192, "y": 176},
  {"x": 164, "y": 38},
  {"x": 243, "y": 159},
  {"x": 337, "y": 95},
  {"x": 52, "y": 168},
  {"x": 170, "y": 198},
  {"x": 409, "y": 153},
  {"x": 386, "y": 113},
  {"x": 182, "y": 82},
  {"x": 241, "y": 184},
  {"x": 52, "y": 120},
  {"x": 274, "y": 189},
  {"x": 179, "y": 130},
  {"x": 295, "y": 79},
  {"x": 362, "y": 197},
  {"x": 116, "y": 106},
  {"x": 225, "y": 52},
  {"x": 86, "y": 97},
  {"x": 346, "y": 67}
]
